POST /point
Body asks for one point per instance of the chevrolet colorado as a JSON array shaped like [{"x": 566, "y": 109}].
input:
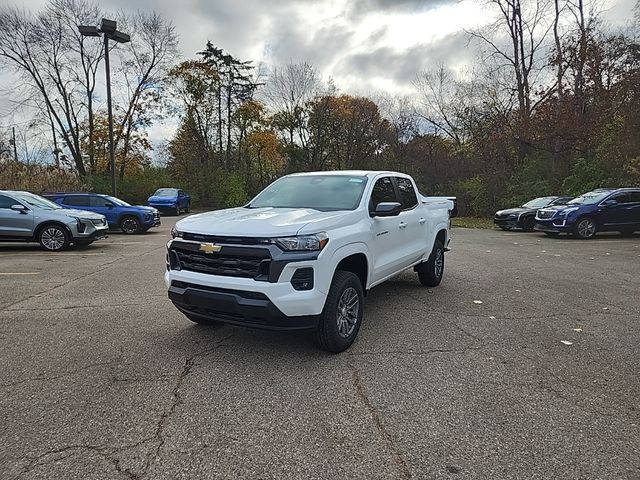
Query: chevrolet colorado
[{"x": 305, "y": 250}]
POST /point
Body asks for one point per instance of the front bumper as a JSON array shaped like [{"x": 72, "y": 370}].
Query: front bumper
[
  {"x": 153, "y": 220},
  {"x": 506, "y": 222},
  {"x": 553, "y": 225},
  {"x": 90, "y": 231},
  {"x": 237, "y": 307}
]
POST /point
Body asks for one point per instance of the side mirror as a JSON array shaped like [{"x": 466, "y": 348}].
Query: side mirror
[
  {"x": 19, "y": 208},
  {"x": 387, "y": 209}
]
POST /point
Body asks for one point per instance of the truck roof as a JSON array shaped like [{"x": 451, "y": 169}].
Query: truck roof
[{"x": 359, "y": 173}]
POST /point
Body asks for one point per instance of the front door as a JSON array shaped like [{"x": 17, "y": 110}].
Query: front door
[
  {"x": 385, "y": 232},
  {"x": 617, "y": 211},
  {"x": 12, "y": 222}
]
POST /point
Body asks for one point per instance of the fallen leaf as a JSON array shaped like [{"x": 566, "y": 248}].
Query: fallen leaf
[
  {"x": 477, "y": 302},
  {"x": 566, "y": 342},
  {"x": 492, "y": 317},
  {"x": 577, "y": 329}
]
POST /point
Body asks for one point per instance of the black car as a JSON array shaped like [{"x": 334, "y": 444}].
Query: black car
[{"x": 524, "y": 217}]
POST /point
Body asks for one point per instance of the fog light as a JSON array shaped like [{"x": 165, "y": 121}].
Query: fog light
[{"x": 303, "y": 279}]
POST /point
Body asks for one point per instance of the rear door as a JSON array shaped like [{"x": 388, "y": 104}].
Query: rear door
[
  {"x": 385, "y": 231},
  {"x": 618, "y": 214},
  {"x": 12, "y": 222},
  {"x": 413, "y": 224},
  {"x": 634, "y": 209}
]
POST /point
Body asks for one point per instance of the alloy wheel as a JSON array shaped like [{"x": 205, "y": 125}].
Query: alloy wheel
[
  {"x": 53, "y": 238},
  {"x": 129, "y": 225},
  {"x": 348, "y": 310},
  {"x": 438, "y": 263},
  {"x": 586, "y": 228}
]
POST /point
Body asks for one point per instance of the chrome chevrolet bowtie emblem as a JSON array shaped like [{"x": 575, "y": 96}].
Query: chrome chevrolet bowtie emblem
[{"x": 210, "y": 247}]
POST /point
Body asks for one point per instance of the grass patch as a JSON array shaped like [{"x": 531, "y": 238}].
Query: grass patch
[{"x": 472, "y": 222}]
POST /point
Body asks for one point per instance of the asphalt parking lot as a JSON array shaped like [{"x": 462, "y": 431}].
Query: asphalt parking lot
[{"x": 102, "y": 378}]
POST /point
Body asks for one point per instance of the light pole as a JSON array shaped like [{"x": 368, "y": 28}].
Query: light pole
[{"x": 108, "y": 30}]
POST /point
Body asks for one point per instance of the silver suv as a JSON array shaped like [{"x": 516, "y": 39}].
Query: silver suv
[{"x": 25, "y": 217}]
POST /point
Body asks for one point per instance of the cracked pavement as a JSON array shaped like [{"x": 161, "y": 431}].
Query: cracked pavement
[{"x": 102, "y": 378}]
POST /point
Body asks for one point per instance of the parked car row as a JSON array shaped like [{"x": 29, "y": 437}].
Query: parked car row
[
  {"x": 601, "y": 210},
  {"x": 58, "y": 220}
]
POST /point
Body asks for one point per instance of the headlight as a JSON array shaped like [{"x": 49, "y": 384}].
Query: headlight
[
  {"x": 175, "y": 233},
  {"x": 303, "y": 242},
  {"x": 569, "y": 210}
]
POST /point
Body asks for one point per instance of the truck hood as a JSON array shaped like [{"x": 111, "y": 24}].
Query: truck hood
[{"x": 260, "y": 222}]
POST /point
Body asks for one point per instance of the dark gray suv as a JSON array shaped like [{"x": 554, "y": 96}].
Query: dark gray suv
[{"x": 25, "y": 217}]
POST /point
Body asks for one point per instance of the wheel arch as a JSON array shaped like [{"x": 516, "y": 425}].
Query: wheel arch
[
  {"x": 47, "y": 223},
  {"x": 353, "y": 258}
]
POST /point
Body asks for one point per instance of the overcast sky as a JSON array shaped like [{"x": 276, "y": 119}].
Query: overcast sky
[{"x": 366, "y": 46}]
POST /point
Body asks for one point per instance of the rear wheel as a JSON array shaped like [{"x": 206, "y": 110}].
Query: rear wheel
[
  {"x": 188, "y": 208},
  {"x": 431, "y": 272},
  {"x": 176, "y": 212},
  {"x": 130, "y": 225},
  {"x": 585, "y": 228},
  {"x": 54, "y": 238},
  {"x": 342, "y": 314}
]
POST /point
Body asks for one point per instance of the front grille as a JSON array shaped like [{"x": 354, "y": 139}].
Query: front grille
[
  {"x": 245, "y": 266},
  {"x": 544, "y": 214},
  {"x": 196, "y": 237}
]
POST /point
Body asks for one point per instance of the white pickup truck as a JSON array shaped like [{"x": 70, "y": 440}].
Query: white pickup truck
[{"x": 303, "y": 253}]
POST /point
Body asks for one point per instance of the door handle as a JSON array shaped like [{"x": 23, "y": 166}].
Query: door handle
[
  {"x": 422, "y": 220},
  {"x": 403, "y": 225}
]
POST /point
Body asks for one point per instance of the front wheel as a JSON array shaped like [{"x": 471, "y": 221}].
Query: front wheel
[
  {"x": 176, "y": 212},
  {"x": 431, "y": 272},
  {"x": 130, "y": 225},
  {"x": 528, "y": 224},
  {"x": 54, "y": 238},
  {"x": 342, "y": 314},
  {"x": 586, "y": 228}
]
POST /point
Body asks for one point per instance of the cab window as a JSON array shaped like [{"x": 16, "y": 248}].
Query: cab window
[
  {"x": 408, "y": 196},
  {"x": 77, "y": 201},
  {"x": 382, "y": 192},
  {"x": 100, "y": 202}
]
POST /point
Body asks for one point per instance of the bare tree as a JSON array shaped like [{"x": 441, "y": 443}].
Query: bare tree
[
  {"x": 143, "y": 70},
  {"x": 290, "y": 89},
  {"x": 525, "y": 26}
]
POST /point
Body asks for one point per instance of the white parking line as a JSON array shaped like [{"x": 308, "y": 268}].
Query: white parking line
[{"x": 19, "y": 273}]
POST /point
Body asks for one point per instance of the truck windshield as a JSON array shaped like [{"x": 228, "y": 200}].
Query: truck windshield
[{"x": 319, "y": 192}]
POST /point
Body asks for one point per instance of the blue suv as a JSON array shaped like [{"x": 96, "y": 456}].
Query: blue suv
[
  {"x": 172, "y": 200},
  {"x": 604, "y": 209},
  {"x": 120, "y": 215}
]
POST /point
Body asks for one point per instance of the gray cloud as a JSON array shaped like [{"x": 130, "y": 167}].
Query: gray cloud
[{"x": 402, "y": 66}]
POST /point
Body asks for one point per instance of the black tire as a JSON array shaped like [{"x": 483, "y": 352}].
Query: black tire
[
  {"x": 188, "y": 208},
  {"x": 585, "y": 228},
  {"x": 506, "y": 229},
  {"x": 342, "y": 314},
  {"x": 54, "y": 238},
  {"x": 176, "y": 212},
  {"x": 431, "y": 272},
  {"x": 130, "y": 225},
  {"x": 528, "y": 224},
  {"x": 552, "y": 234}
]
